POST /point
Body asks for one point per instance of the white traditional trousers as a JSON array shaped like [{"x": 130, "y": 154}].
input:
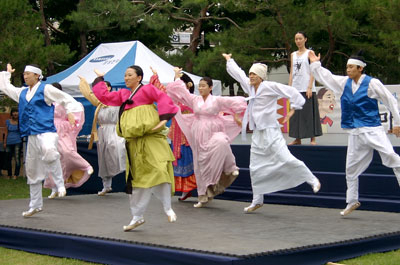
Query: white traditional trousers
[
  {"x": 140, "y": 198},
  {"x": 42, "y": 158},
  {"x": 272, "y": 166},
  {"x": 359, "y": 156},
  {"x": 107, "y": 181}
]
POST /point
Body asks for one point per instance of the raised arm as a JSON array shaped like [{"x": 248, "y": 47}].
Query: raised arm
[
  {"x": 113, "y": 98},
  {"x": 87, "y": 92},
  {"x": 54, "y": 95},
  {"x": 296, "y": 99},
  {"x": 179, "y": 94},
  {"x": 334, "y": 82},
  {"x": 155, "y": 81},
  {"x": 232, "y": 105},
  {"x": 5, "y": 85},
  {"x": 237, "y": 73}
]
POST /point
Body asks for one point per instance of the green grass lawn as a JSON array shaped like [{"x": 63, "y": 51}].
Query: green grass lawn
[
  {"x": 17, "y": 189},
  {"x": 16, "y": 257}
]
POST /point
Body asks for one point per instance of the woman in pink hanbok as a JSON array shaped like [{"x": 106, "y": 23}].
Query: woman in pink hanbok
[
  {"x": 76, "y": 170},
  {"x": 209, "y": 133}
]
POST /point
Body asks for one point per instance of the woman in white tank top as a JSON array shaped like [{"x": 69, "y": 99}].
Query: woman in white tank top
[{"x": 305, "y": 123}]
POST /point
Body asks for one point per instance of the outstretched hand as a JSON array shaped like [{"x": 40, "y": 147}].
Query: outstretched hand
[
  {"x": 81, "y": 78},
  {"x": 153, "y": 70},
  {"x": 396, "y": 131},
  {"x": 71, "y": 119},
  {"x": 99, "y": 73},
  {"x": 237, "y": 119},
  {"x": 177, "y": 71},
  {"x": 288, "y": 116},
  {"x": 227, "y": 56},
  {"x": 158, "y": 126},
  {"x": 313, "y": 57},
  {"x": 10, "y": 69}
]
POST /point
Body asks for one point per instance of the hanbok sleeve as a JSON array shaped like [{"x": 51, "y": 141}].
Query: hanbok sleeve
[
  {"x": 155, "y": 81},
  {"x": 7, "y": 88},
  {"x": 238, "y": 74},
  {"x": 87, "y": 92},
  {"x": 335, "y": 83},
  {"x": 165, "y": 106},
  {"x": 380, "y": 92},
  {"x": 179, "y": 94},
  {"x": 232, "y": 105},
  {"x": 296, "y": 99},
  {"x": 54, "y": 95},
  {"x": 106, "y": 97}
]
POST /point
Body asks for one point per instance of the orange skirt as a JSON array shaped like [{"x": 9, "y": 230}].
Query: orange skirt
[{"x": 185, "y": 184}]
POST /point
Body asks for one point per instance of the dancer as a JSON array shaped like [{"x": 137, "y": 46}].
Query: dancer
[
  {"x": 36, "y": 121},
  {"x": 272, "y": 166},
  {"x": 360, "y": 118},
  {"x": 305, "y": 123},
  {"x": 185, "y": 180},
  {"x": 76, "y": 170},
  {"x": 13, "y": 144},
  {"x": 209, "y": 134},
  {"x": 111, "y": 154},
  {"x": 149, "y": 157}
]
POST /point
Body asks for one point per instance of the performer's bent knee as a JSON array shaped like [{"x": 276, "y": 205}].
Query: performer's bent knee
[{"x": 50, "y": 155}]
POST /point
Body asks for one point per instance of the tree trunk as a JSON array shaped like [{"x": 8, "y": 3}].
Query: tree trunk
[
  {"x": 285, "y": 38},
  {"x": 83, "y": 42},
  {"x": 47, "y": 41},
  {"x": 327, "y": 59},
  {"x": 82, "y": 35},
  {"x": 196, "y": 37}
]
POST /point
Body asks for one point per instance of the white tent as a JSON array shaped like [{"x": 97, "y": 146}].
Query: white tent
[{"x": 113, "y": 59}]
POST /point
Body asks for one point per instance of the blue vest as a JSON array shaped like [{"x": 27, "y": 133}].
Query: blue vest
[
  {"x": 359, "y": 110},
  {"x": 35, "y": 116}
]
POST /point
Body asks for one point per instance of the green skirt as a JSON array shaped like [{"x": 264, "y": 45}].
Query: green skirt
[{"x": 149, "y": 156}]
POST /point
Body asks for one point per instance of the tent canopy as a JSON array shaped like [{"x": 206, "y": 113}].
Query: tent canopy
[{"x": 113, "y": 59}]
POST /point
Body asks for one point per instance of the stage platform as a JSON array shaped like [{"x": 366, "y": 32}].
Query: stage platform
[
  {"x": 294, "y": 226},
  {"x": 89, "y": 227},
  {"x": 379, "y": 189}
]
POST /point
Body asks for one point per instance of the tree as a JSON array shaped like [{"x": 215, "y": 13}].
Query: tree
[{"x": 22, "y": 41}]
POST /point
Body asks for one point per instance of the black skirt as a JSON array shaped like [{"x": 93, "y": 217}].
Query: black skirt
[{"x": 305, "y": 123}]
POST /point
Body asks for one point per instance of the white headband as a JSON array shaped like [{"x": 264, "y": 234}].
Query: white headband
[
  {"x": 260, "y": 70},
  {"x": 35, "y": 70},
  {"x": 356, "y": 62}
]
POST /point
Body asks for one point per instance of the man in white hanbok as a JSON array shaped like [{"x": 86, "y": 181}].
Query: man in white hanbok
[
  {"x": 360, "y": 118},
  {"x": 272, "y": 166},
  {"x": 36, "y": 119}
]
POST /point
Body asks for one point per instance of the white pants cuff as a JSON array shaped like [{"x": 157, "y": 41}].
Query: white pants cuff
[
  {"x": 36, "y": 199},
  {"x": 258, "y": 199},
  {"x": 107, "y": 181}
]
